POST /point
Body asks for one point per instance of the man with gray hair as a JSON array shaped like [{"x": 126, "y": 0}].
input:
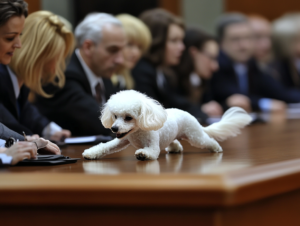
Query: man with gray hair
[
  {"x": 239, "y": 81},
  {"x": 100, "y": 40}
]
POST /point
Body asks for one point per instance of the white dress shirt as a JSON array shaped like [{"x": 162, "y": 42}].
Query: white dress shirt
[
  {"x": 195, "y": 80},
  {"x": 52, "y": 127},
  {"x": 4, "y": 159},
  {"x": 92, "y": 78},
  {"x": 2, "y": 143}
]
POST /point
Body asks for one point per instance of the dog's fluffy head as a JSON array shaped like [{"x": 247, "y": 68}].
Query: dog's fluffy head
[{"x": 130, "y": 110}]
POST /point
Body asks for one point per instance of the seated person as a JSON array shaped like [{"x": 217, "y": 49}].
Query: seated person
[
  {"x": 100, "y": 40},
  {"x": 154, "y": 75},
  {"x": 41, "y": 58},
  {"x": 239, "y": 81},
  {"x": 262, "y": 39},
  {"x": 17, "y": 152},
  {"x": 286, "y": 36},
  {"x": 197, "y": 65},
  {"x": 138, "y": 40},
  {"x": 11, "y": 24},
  {"x": 26, "y": 150}
]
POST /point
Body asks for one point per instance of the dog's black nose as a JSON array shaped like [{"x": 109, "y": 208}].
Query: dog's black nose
[{"x": 114, "y": 129}]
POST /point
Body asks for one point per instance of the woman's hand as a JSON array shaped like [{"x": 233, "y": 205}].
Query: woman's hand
[
  {"x": 47, "y": 147},
  {"x": 61, "y": 135},
  {"x": 32, "y": 137},
  {"x": 20, "y": 151},
  {"x": 212, "y": 109},
  {"x": 239, "y": 100},
  {"x": 278, "y": 106}
]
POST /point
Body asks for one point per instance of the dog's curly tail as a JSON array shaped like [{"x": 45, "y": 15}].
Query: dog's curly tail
[{"x": 233, "y": 120}]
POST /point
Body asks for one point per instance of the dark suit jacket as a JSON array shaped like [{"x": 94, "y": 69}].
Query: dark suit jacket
[
  {"x": 225, "y": 83},
  {"x": 30, "y": 120},
  {"x": 6, "y": 133},
  {"x": 288, "y": 75},
  {"x": 74, "y": 107},
  {"x": 145, "y": 77}
]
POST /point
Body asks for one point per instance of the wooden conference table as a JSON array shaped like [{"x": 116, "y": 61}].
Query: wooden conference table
[{"x": 256, "y": 181}]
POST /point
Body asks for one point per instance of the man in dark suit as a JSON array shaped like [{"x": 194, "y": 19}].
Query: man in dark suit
[
  {"x": 239, "y": 81},
  {"x": 100, "y": 39}
]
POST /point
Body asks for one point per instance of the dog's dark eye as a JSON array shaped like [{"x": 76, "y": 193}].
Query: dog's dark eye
[
  {"x": 128, "y": 118},
  {"x": 115, "y": 117}
]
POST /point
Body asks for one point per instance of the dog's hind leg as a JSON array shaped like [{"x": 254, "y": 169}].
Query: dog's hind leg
[
  {"x": 202, "y": 140},
  {"x": 174, "y": 147}
]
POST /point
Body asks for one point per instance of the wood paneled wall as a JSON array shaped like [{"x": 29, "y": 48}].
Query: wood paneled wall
[
  {"x": 173, "y": 6},
  {"x": 271, "y": 9},
  {"x": 34, "y": 5}
]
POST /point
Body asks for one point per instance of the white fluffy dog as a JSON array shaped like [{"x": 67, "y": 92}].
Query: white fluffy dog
[{"x": 142, "y": 122}]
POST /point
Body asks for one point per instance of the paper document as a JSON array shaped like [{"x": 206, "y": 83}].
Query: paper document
[{"x": 80, "y": 140}]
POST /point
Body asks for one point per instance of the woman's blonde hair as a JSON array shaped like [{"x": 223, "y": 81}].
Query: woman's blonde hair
[
  {"x": 45, "y": 38},
  {"x": 284, "y": 30},
  {"x": 137, "y": 32}
]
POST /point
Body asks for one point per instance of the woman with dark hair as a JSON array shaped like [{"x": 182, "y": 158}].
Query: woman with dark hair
[
  {"x": 12, "y": 19},
  {"x": 154, "y": 74},
  {"x": 197, "y": 65}
]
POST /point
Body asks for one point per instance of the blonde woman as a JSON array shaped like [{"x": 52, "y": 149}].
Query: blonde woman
[
  {"x": 138, "y": 41},
  {"x": 286, "y": 43},
  {"x": 46, "y": 44}
]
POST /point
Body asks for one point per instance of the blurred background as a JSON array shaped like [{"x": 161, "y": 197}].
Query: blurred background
[{"x": 201, "y": 13}]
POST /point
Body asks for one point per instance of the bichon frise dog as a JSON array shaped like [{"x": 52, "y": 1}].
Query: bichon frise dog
[{"x": 142, "y": 122}]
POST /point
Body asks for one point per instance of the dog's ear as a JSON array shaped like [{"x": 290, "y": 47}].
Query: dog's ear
[
  {"x": 106, "y": 117},
  {"x": 152, "y": 116}
]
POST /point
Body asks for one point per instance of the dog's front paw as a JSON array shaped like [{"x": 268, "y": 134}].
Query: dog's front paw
[
  {"x": 174, "y": 147},
  {"x": 92, "y": 153},
  {"x": 143, "y": 155}
]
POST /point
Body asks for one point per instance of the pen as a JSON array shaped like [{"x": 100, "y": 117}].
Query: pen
[{"x": 24, "y": 136}]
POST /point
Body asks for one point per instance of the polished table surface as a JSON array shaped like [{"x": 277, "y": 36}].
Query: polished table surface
[
  {"x": 260, "y": 163},
  {"x": 258, "y": 144}
]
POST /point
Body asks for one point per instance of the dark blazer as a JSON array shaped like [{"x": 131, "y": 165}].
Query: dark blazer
[
  {"x": 145, "y": 77},
  {"x": 73, "y": 107},
  {"x": 29, "y": 120},
  {"x": 224, "y": 83},
  {"x": 288, "y": 74},
  {"x": 6, "y": 133}
]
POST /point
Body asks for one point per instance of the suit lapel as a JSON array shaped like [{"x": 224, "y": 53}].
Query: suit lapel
[
  {"x": 109, "y": 88},
  {"x": 8, "y": 97},
  {"x": 76, "y": 65}
]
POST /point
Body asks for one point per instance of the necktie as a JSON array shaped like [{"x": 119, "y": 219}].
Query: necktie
[
  {"x": 98, "y": 93},
  {"x": 242, "y": 74}
]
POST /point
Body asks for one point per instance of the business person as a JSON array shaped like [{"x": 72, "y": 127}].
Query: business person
[
  {"x": 12, "y": 17},
  {"x": 154, "y": 75},
  {"x": 46, "y": 44},
  {"x": 239, "y": 81},
  {"x": 138, "y": 40},
  {"x": 100, "y": 40},
  {"x": 197, "y": 65}
]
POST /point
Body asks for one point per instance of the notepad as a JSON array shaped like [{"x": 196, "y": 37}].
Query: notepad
[{"x": 80, "y": 140}]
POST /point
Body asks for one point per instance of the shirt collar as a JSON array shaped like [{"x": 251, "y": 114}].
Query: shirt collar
[
  {"x": 15, "y": 82},
  {"x": 92, "y": 78}
]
